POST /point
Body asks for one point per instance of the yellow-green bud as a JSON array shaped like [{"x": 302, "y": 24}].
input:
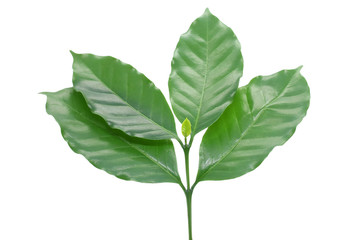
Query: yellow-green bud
[{"x": 186, "y": 128}]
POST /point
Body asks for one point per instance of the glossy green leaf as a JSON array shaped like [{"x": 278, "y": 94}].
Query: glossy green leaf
[
  {"x": 125, "y": 98},
  {"x": 109, "y": 149},
  {"x": 264, "y": 114},
  {"x": 206, "y": 69}
]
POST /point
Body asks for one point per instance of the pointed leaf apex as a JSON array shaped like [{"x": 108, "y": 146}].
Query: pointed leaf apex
[
  {"x": 74, "y": 54},
  {"x": 45, "y": 93},
  {"x": 186, "y": 128},
  {"x": 207, "y": 12},
  {"x": 299, "y": 68}
]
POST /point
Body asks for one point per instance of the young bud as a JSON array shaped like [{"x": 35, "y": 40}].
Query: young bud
[{"x": 186, "y": 128}]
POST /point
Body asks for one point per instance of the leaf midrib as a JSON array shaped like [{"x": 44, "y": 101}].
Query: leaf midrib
[
  {"x": 127, "y": 142},
  {"x": 247, "y": 129},
  {"x": 205, "y": 77},
  {"x": 136, "y": 110}
]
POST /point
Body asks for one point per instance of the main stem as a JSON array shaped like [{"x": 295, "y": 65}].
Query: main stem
[
  {"x": 188, "y": 191},
  {"x": 188, "y": 203}
]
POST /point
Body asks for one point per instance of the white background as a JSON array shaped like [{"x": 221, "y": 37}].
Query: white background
[{"x": 307, "y": 189}]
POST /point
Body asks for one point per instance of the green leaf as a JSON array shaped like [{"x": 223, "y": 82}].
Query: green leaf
[
  {"x": 264, "y": 114},
  {"x": 186, "y": 128},
  {"x": 109, "y": 149},
  {"x": 206, "y": 69},
  {"x": 125, "y": 98}
]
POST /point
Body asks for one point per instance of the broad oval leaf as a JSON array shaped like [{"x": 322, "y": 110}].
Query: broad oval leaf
[
  {"x": 264, "y": 114},
  {"x": 124, "y": 97},
  {"x": 205, "y": 72},
  {"x": 109, "y": 149}
]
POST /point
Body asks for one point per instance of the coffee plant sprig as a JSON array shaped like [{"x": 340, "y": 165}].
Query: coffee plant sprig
[{"x": 116, "y": 117}]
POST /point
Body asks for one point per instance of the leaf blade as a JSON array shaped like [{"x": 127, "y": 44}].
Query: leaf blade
[
  {"x": 109, "y": 149},
  {"x": 205, "y": 72},
  {"x": 263, "y": 115},
  {"x": 124, "y": 97}
]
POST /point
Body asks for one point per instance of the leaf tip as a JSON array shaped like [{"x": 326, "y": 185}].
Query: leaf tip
[
  {"x": 207, "y": 11},
  {"x": 299, "y": 68},
  {"x": 44, "y": 93},
  {"x": 74, "y": 54}
]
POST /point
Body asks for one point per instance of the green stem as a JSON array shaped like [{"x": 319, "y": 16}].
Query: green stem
[
  {"x": 186, "y": 152},
  {"x": 189, "y": 191},
  {"x": 188, "y": 203}
]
